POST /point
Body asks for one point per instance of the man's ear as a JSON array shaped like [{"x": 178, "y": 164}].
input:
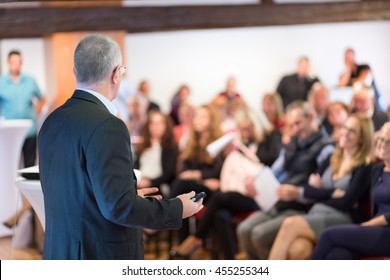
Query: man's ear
[{"x": 115, "y": 76}]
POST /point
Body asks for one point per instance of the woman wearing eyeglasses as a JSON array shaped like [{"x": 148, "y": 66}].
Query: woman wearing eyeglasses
[
  {"x": 337, "y": 192},
  {"x": 371, "y": 238}
]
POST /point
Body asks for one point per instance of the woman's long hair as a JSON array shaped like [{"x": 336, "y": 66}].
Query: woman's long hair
[
  {"x": 364, "y": 151},
  {"x": 168, "y": 139},
  {"x": 196, "y": 152}
]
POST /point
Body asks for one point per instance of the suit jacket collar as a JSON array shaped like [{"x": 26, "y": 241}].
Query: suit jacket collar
[{"x": 80, "y": 94}]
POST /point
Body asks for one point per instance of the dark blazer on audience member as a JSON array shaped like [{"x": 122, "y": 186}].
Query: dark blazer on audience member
[
  {"x": 355, "y": 198},
  {"x": 268, "y": 150},
  {"x": 91, "y": 204},
  {"x": 379, "y": 118}
]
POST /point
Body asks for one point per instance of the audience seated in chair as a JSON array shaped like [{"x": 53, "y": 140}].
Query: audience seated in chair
[
  {"x": 301, "y": 157},
  {"x": 157, "y": 155},
  {"x": 370, "y": 239},
  {"x": 363, "y": 101},
  {"x": 234, "y": 199},
  {"x": 335, "y": 116},
  {"x": 343, "y": 183},
  {"x": 199, "y": 172}
]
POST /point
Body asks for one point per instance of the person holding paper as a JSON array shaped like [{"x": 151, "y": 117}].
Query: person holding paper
[
  {"x": 92, "y": 207},
  {"x": 302, "y": 156},
  {"x": 264, "y": 143},
  {"x": 342, "y": 185}
]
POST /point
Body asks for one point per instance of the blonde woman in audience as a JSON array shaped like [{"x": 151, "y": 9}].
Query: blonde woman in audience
[
  {"x": 371, "y": 238},
  {"x": 157, "y": 155},
  {"x": 200, "y": 172},
  {"x": 272, "y": 106},
  {"x": 180, "y": 97},
  {"x": 273, "y": 109},
  {"x": 337, "y": 192},
  {"x": 264, "y": 142}
]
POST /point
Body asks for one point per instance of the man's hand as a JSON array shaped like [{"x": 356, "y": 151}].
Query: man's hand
[
  {"x": 190, "y": 207},
  {"x": 143, "y": 183},
  {"x": 146, "y": 191},
  {"x": 288, "y": 192},
  {"x": 315, "y": 180},
  {"x": 338, "y": 193}
]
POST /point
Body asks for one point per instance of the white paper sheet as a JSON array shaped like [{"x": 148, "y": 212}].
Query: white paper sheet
[{"x": 266, "y": 185}]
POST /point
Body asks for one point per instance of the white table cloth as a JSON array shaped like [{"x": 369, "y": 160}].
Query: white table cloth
[
  {"x": 32, "y": 191},
  {"x": 12, "y": 135}
]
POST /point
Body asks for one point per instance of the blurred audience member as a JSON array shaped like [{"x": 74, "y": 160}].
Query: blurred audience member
[
  {"x": 157, "y": 155},
  {"x": 180, "y": 97},
  {"x": 337, "y": 190},
  {"x": 370, "y": 238},
  {"x": 335, "y": 117},
  {"x": 226, "y": 111},
  {"x": 273, "y": 109},
  {"x": 144, "y": 92},
  {"x": 319, "y": 100},
  {"x": 136, "y": 111},
  {"x": 200, "y": 172},
  {"x": 19, "y": 94},
  {"x": 230, "y": 98},
  {"x": 264, "y": 143},
  {"x": 363, "y": 101},
  {"x": 359, "y": 73},
  {"x": 230, "y": 93},
  {"x": 297, "y": 86},
  {"x": 388, "y": 111},
  {"x": 126, "y": 90},
  {"x": 306, "y": 151},
  {"x": 181, "y": 131}
]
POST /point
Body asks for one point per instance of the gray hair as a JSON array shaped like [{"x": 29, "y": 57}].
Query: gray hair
[
  {"x": 95, "y": 58},
  {"x": 262, "y": 127},
  {"x": 304, "y": 106},
  {"x": 359, "y": 87}
]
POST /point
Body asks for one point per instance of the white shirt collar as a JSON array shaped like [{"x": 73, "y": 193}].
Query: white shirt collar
[{"x": 109, "y": 105}]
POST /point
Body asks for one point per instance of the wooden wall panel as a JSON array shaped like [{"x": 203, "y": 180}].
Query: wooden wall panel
[
  {"x": 36, "y": 22},
  {"x": 59, "y": 50}
]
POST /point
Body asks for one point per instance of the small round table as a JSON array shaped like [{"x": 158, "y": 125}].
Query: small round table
[{"x": 12, "y": 135}]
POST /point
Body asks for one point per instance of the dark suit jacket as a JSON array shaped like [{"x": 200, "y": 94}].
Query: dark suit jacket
[
  {"x": 91, "y": 204},
  {"x": 379, "y": 118},
  {"x": 293, "y": 88}
]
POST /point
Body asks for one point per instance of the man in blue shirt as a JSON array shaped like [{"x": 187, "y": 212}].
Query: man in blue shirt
[{"x": 17, "y": 95}]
